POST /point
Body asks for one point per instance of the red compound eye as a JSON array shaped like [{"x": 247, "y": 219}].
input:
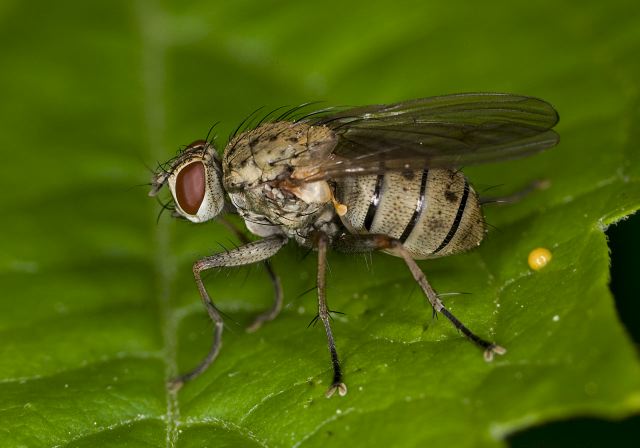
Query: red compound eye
[{"x": 190, "y": 186}]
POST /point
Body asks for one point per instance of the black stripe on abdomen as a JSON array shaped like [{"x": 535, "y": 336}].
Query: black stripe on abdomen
[
  {"x": 456, "y": 221},
  {"x": 419, "y": 207},
  {"x": 375, "y": 201}
]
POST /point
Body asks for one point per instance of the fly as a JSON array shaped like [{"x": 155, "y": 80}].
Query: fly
[{"x": 381, "y": 177}]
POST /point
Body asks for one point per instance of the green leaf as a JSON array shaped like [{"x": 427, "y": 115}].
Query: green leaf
[{"x": 98, "y": 305}]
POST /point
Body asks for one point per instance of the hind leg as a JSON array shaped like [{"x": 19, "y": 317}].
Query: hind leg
[{"x": 364, "y": 243}]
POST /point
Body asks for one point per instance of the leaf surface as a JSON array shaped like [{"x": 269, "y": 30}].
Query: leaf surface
[{"x": 98, "y": 305}]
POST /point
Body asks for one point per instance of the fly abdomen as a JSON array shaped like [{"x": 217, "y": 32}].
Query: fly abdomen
[{"x": 434, "y": 212}]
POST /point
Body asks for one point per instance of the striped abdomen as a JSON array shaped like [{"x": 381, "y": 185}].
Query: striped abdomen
[{"x": 433, "y": 212}]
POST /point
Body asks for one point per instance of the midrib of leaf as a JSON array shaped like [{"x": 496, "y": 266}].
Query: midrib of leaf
[{"x": 153, "y": 53}]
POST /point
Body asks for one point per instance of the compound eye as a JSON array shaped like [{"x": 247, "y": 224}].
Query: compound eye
[{"x": 190, "y": 187}]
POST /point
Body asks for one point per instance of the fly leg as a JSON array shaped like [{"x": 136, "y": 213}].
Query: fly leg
[
  {"x": 323, "y": 314},
  {"x": 243, "y": 255},
  {"x": 540, "y": 184},
  {"x": 363, "y": 243},
  {"x": 489, "y": 347},
  {"x": 275, "y": 309}
]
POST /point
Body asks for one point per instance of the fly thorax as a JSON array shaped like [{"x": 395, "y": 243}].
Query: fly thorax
[
  {"x": 258, "y": 167},
  {"x": 326, "y": 221},
  {"x": 275, "y": 204},
  {"x": 272, "y": 152}
]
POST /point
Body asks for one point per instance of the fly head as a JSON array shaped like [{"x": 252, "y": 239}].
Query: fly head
[{"x": 195, "y": 180}]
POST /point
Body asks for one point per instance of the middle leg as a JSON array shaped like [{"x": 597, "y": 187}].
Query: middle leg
[{"x": 324, "y": 316}]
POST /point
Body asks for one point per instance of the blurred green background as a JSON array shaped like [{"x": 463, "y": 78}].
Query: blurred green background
[{"x": 93, "y": 93}]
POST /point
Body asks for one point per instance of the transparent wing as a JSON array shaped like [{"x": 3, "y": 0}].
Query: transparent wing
[{"x": 440, "y": 132}]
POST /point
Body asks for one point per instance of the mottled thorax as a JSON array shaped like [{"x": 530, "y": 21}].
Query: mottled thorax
[{"x": 258, "y": 167}]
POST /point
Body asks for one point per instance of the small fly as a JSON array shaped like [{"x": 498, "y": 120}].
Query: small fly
[{"x": 381, "y": 177}]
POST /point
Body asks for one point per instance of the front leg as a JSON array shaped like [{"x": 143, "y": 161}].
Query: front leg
[
  {"x": 243, "y": 255},
  {"x": 278, "y": 299}
]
